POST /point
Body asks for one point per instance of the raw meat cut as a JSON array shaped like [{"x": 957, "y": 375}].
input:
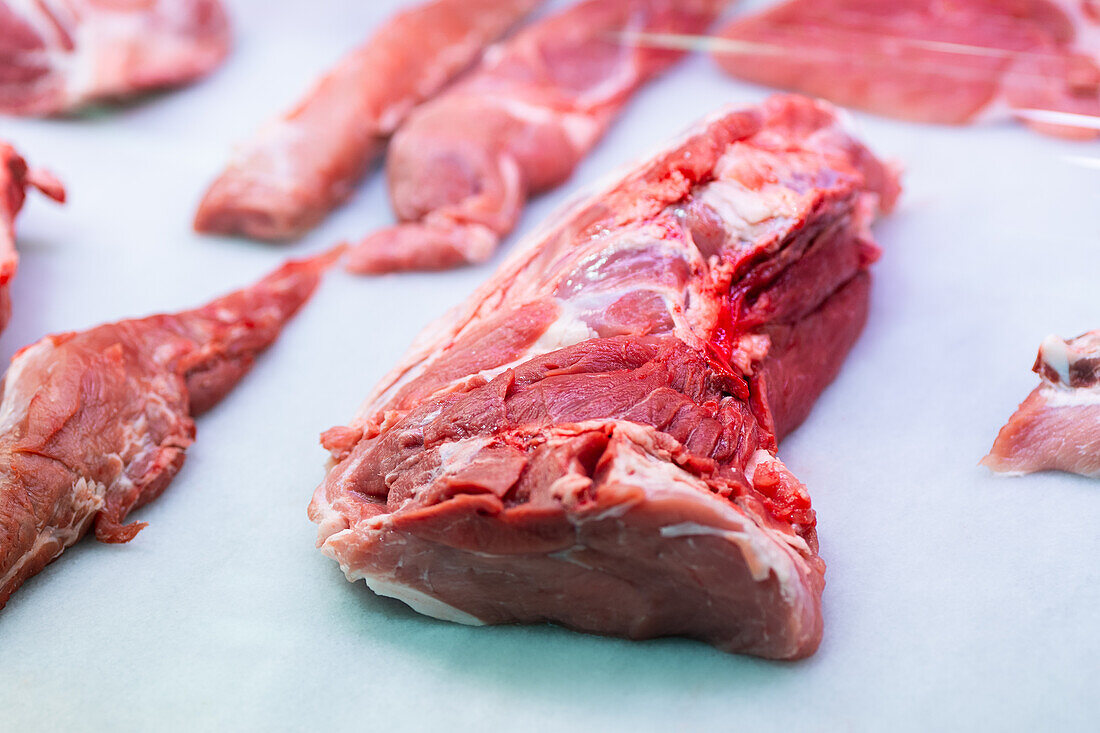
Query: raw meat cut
[
  {"x": 590, "y": 440},
  {"x": 929, "y": 60},
  {"x": 94, "y": 424},
  {"x": 463, "y": 165},
  {"x": 304, "y": 164},
  {"x": 15, "y": 178},
  {"x": 1058, "y": 426},
  {"x": 58, "y": 55}
]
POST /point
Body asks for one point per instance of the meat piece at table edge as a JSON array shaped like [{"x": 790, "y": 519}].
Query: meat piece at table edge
[
  {"x": 15, "y": 178},
  {"x": 61, "y": 57},
  {"x": 948, "y": 63},
  {"x": 590, "y": 439},
  {"x": 95, "y": 424},
  {"x": 1058, "y": 426},
  {"x": 299, "y": 167},
  {"x": 462, "y": 167}
]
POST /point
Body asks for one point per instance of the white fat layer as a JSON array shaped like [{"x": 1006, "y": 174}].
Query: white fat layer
[
  {"x": 743, "y": 208},
  {"x": 34, "y": 15},
  {"x": 87, "y": 500},
  {"x": 1056, "y": 396},
  {"x": 998, "y": 110},
  {"x": 760, "y": 456},
  {"x": 419, "y": 601},
  {"x": 759, "y": 570},
  {"x": 458, "y": 453},
  {"x": 97, "y": 40},
  {"x": 595, "y": 295},
  {"x": 13, "y": 408},
  {"x": 1059, "y": 355},
  {"x": 765, "y": 551},
  {"x": 1086, "y": 31},
  {"x": 108, "y": 43},
  {"x": 269, "y": 155},
  {"x": 1055, "y": 354},
  {"x": 329, "y": 521},
  {"x": 569, "y": 556},
  {"x": 581, "y": 129},
  {"x": 567, "y": 330}
]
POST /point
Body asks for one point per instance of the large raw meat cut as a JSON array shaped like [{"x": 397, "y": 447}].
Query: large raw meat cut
[
  {"x": 590, "y": 440},
  {"x": 1058, "y": 426},
  {"x": 59, "y": 55},
  {"x": 15, "y": 179},
  {"x": 94, "y": 424},
  {"x": 462, "y": 167},
  {"x": 930, "y": 60},
  {"x": 304, "y": 164}
]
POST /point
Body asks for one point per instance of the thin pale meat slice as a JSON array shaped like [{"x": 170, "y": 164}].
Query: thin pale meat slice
[
  {"x": 57, "y": 56},
  {"x": 95, "y": 424},
  {"x": 590, "y": 440},
  {"x": 15, "y": 178},
  {"x": 930, "y": 61},
  {"x": 301, "y": 166},
  {"x": 461, "y": 169},
  {"x": 1057, "y": 428}
]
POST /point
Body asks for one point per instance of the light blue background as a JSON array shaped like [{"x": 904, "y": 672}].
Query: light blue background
[{"x": 955, "y": 600}]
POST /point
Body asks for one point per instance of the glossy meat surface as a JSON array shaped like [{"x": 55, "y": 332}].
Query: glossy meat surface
[
  {"x": 590, "y": 439},
  {"x": 1058, "y": 426},
  {"x": 304, "y": 164},
  {"x": 462, "y": 167},
  {"x": 95, "y": 424},
  {"x": 15, "y": 179},
  {"x": 57, "y": 56},
  {"x": 929, "y": 60}
]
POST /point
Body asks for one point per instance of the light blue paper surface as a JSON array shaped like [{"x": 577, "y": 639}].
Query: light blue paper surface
[{"x": 955, "y": 600}]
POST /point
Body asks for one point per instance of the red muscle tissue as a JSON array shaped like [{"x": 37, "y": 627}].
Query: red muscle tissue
[
  {"x": 931, "y": 60},
  {"x": 591, "y": 440},
  {"x": 461, "y": 168},
  {"x": 58, "y": 55},
  {"x": 301, "y": 166},
  {"x": 95, "y": 424}
]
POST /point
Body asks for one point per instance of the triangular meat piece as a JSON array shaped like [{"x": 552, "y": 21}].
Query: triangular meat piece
[{"x": 590, "y": 440}]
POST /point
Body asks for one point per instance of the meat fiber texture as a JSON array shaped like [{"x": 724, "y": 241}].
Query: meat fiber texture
[
  {"x": 299, "y": 167},
  {"x": 931, "y": 61},
  {"x": 56, "y": 56},
  {"x": 590, "y": 440},
  {"x": 1058, "y": 426},
  {"x": 95, "y": 424},
  {"x": 15, "y": 179},
  {"x": 462, "y": 167}
]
